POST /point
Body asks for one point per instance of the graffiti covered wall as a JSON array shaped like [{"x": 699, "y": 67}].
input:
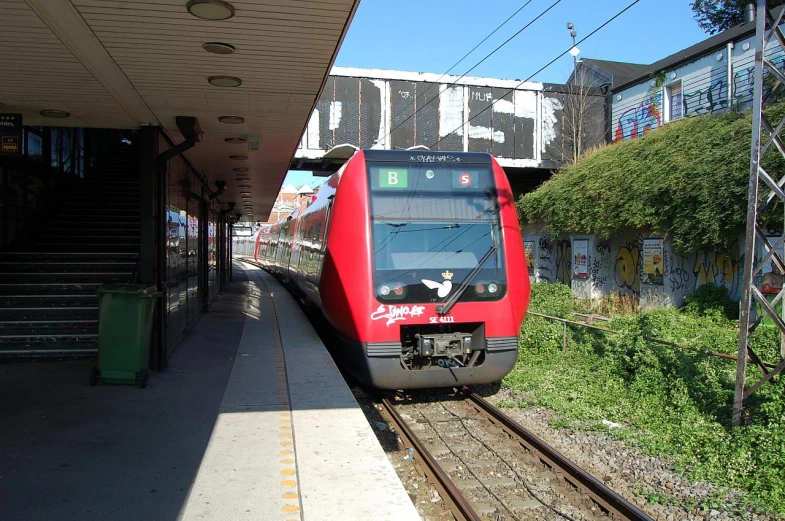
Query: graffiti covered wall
[
  {"x": 517, "y": 123},
  {"x": 617, "y": 266},
  {"x": 707, "y": 85}
]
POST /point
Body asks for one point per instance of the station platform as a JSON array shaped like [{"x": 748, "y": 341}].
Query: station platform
[{"x": 251, "y": 421}]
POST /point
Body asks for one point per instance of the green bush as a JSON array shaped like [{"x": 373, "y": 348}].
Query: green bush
[
  {"x": 673, "y": 402},
  {"x": 555, "y": 299},
  {"x": 687, "y": 180},
  {"x": 709, "y": 300}
]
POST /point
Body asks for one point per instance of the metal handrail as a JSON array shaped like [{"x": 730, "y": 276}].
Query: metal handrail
[{"x": 645, "y": 337}]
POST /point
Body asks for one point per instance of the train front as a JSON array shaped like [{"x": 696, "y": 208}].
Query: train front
[{"x": 446, "y": 286}]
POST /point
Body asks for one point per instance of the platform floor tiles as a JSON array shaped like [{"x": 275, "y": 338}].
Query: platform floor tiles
[
  {"x": 252, "y": 421},
  {"x": 307, "y": 449}
]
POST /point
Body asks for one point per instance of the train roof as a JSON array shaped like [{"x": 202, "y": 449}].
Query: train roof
[{"x": 428, "y": 156}]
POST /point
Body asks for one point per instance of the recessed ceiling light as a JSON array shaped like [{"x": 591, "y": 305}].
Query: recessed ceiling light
[
  {"x": 235, "y": 140},
  {"x": 239, "y": 158},
  {"x": 225, "y": 81},
  {"x": 47, "y": 113},
  {"x": 232, "y": 120},
  {"x": 210, "y": 9},
  {"x": 240, "y": 169},
  {"x": 218, "y": 47},
  {"x": 245, "y": 193}
]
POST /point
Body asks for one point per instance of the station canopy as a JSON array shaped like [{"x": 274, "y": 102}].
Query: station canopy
[{"x": 126, "y": 64}]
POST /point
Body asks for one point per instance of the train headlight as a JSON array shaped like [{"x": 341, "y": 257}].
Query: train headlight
[
  {"x": 492, "y": 288},
  {"x": 480, "y": 289},
  {"x": 392, "y": 290}
]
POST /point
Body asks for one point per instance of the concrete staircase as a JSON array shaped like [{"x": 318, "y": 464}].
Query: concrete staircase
[{"x": 48, "y": 302}]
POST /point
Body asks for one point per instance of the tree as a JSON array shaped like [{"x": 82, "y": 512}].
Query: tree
[
  {"x": 583, "y": 116},
  {"x": 714, "y": 16}
]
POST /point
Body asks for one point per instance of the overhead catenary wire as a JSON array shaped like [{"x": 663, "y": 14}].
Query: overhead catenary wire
[
  {"x": 611, "y": 19},
  {"x": 508, "y": 40},
  {"x": 418, "y": 96}
]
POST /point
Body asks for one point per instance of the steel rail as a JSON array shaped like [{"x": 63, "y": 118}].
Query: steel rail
[
  {"x": 458, "y": 503},
  {"x": 600, "y": 493}
]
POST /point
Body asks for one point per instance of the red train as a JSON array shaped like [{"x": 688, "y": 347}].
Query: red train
[{"x": 415, "y": 260}]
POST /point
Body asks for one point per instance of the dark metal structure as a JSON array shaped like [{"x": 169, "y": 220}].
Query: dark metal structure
[{"x": 767, "y": 28}]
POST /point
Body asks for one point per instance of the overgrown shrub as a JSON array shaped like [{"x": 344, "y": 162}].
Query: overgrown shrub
[
  {"x": 674, "y": 402},
  {"x": 709, "y": 299},
  {"x": 687, "y": 180},
  {"x": 555, "y": 299}
]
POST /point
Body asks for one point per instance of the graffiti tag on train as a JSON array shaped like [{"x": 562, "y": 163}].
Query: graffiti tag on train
[
  {"x": 435, "y": 159},
  {"x": 395, "y": 313}
]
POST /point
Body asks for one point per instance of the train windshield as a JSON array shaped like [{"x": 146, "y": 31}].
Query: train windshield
[{"x": 432, "y": 226}]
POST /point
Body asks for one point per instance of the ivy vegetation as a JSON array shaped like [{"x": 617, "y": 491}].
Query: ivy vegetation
[
  {"x": 670, "y": 402},
  {"x": 687, "y": 180}
]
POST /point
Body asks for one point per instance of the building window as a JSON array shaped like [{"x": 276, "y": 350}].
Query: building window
[{"x": 675, "y": 101}]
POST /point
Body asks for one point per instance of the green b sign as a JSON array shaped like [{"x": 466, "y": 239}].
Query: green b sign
[{"x": 393, "y": 178}]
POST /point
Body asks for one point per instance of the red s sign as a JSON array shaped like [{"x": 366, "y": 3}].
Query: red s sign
[{"x": 465, "y": 179}]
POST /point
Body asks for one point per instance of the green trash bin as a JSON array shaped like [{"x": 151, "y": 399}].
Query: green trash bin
[{"x": 125, "y": 323}]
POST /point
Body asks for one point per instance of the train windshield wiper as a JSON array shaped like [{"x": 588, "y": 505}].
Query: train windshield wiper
[{"x": 449, "y": 303}]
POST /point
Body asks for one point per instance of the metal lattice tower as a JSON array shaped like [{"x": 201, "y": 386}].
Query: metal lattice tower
[{"x": 766, "y": 29}]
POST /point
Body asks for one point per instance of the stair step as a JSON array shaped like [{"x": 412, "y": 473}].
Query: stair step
[
  {"x": 66, "y": 268},
  {"x": 76, "y": 231},
  {"x": 64, "y": 300},
  {"x": 90, "y": 238},
  {"x": 31, "y": 289},
  {"x": 69, "y": 220},
  {"x": 50, "y": 313},
  {"x": 105, "y": 204},
  {"x": 94, "y": 248},
  {"x": 54, "y": 277},
  {"x": 48, "y": 327},
  {"x": 40, "y": 346},
  {"x": 62, "y": 256},
  {"x": 92, "y": 193},
  {"x": 97, "y": 212},
  {"x": 102, "y": 225},
  {"x": 102, "y": 199}
]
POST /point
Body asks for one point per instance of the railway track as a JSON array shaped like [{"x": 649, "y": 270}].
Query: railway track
[{"x": 487, "y": 467}]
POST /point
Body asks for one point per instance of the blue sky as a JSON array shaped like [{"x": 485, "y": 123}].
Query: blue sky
[{"x": 431, "y": 35}]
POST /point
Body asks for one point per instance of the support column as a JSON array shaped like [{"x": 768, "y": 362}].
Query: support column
[
  {"x": 152, "y": 235},
  {"x": 148, "y": 148}
]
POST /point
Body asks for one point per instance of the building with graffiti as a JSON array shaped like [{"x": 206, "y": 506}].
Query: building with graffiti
[{"x": 712, "y": 76}]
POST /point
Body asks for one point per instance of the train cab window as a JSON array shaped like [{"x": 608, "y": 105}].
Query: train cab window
[{"x": 434, "y": 222}]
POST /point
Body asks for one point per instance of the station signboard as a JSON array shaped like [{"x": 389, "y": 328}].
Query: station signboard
[{"x": 10, "y": 134}]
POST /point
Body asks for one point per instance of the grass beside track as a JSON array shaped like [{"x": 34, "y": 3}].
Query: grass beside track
[{"x": 672, "y": 403}]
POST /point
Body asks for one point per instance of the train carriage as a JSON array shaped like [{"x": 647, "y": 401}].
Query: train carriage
[{"x": 415, "y": 259}]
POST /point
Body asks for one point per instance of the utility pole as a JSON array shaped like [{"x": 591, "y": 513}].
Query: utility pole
[
  {"x": 574, "y": 51},
  {"x": 575, "y": 102},
  {"x": 755, "y": 234}
]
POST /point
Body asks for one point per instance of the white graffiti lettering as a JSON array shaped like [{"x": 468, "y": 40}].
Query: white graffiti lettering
[
  {"x": 435, "y": 159},
  {"x": 395, "y": 313}
]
